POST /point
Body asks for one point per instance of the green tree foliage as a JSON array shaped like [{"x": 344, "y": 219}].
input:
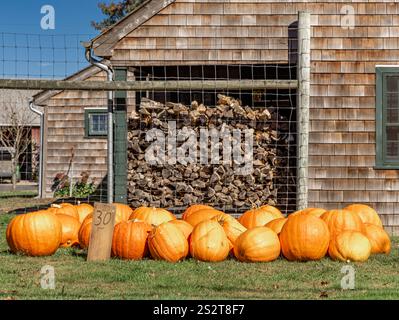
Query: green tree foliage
[{"x": 115, "y": 11}]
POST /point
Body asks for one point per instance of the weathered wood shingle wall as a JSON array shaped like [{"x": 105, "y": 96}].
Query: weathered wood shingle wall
[
  {"x": 65, "y": 133},
  {"x": 342, "y": 150}
]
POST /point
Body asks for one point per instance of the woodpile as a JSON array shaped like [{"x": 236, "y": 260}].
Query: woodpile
[{"x": 177, "y": 185}]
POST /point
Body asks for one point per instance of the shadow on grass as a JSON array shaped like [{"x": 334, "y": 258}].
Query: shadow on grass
[{"x": 78, "y": 253}]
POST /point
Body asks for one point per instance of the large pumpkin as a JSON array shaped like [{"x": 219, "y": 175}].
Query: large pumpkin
[
  {"x": 194, "y": 208},
  {"x": 231, "y": 248},
  {"x": 341, "y": 220},
  {"x": 259, "y": 217},
  {"x": 66, "y": 209},
  {"x": 130, "y": 240},
  {"x": 379, "y": 239},
  {"x": 209, "y": 242},
  {"x": 84, "y": 210},
  {"x": 202, "y": 215},
  {"x": 231, "y": 226},
  {"x": 66, "y": 204},
  {"x": 317, "y": 212},
  {"x": 304, "y": 237},
  {"x": 184, "y": 227},
  {"x": 167, "y": 242},
  {"x": 85, "y": 232},
  {"x": 34, "y": 234},
  {"x": 153, "y": 216},
  {"x": 349, "y": 245},
  {"x": 70, "y": 230},
  {"x": 366, "y": 214},
  {"x": 277, "y": 225},
  {"x": 273, "y": 210},
  {"x": 123, "y": 212},
  {"x": 259, "y": 244}
]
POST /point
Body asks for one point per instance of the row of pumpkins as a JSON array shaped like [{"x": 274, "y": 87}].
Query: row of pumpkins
[{"x": 206, "y": 234}]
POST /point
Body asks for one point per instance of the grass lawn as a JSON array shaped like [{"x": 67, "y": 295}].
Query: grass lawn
[{"x": 75, "y": 279}]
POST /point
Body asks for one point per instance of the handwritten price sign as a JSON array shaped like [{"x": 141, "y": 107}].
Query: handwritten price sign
[{"x": 101, "y": 232}]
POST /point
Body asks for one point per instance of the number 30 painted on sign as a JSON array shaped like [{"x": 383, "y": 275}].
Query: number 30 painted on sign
[{"x": 103, "y": 220}]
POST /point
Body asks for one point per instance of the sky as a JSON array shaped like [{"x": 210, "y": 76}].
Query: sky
[{"x": 29, "y": 51}]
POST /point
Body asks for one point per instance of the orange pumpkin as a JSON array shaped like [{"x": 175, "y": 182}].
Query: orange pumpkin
[
  {"x": 259, "y": 217},
  {"x": 231, "y": 226},
  {"x": 70, "y": 230},
  {"x": 130, "y": 240},
  {"x": 341, "y": 220},
  {"x": 202, "y": 215},
  {"x": 349, "y": 245},
  {"x": 277, "y": 224},
  {"x": 209, "y": 242},
  {"x": 84, "y": 210},
  {"x": 379, "y": 239},
  {"x": 153, "y": 216},
  {"x": 277, "y": 213},
  {"x": 366, "y": 214},
  {"x": 85, "y": 232},
  {"x": 184, "y": 227},
  {"x": 296, "y": 213},
  {"x": 231, "y": 248},
  {"x": 304, "y": 237},
  {"x": 317, "y": 212},
  {"x": 66, "y": 209},
  {"x": 194, "y": 208},
  {"x": 66, "y": 204},
  {"x": 123, "y": 212},
  {"x": 167, "y": 242},
  {"x": 34, "y": 234},
  {"x": 260, "y": 244}
]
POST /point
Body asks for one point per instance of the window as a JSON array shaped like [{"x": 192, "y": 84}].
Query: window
[
  {"x": 96, "y": 123},
  {"x": 387, "y": 118}
]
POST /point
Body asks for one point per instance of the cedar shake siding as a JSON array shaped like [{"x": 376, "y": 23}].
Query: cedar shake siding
[{"x": 65, "y": 133}]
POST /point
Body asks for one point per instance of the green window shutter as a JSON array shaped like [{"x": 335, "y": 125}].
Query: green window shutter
[
  {"x": 120, "y": 140},
  {"x": 387, "y": 118}
]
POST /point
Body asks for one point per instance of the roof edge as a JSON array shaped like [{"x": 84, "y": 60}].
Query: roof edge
[
  {"x": 102, "y": 45},
  {"x": 41, "y": 97}
]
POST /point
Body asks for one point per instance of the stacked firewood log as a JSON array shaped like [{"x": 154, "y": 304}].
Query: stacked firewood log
[{"x": 177, "y": 184}]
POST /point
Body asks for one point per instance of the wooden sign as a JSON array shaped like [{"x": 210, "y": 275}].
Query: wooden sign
[{"x": 102, "y": 232}]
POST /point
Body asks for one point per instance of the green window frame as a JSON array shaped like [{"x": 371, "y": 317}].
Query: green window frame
[
  {"x": 92, "y": 129},
  {"x": 387, "y": 117}
]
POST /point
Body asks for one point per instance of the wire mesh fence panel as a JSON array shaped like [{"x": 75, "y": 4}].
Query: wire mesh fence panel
[
  {"x": 34, "y": 56},
  {"x": 232, "y": 149},
  {"x": 183, "y": 133},
  {"x": 31, "y": 57}
]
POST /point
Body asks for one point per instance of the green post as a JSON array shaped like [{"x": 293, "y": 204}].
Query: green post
[{"x": 120, "y": 140}]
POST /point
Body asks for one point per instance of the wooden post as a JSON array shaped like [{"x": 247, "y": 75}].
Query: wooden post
[
  {"x": 102, "y": 232},
  {"x": 304, "y": 31},
  {"x": 169, "y": 85}
]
